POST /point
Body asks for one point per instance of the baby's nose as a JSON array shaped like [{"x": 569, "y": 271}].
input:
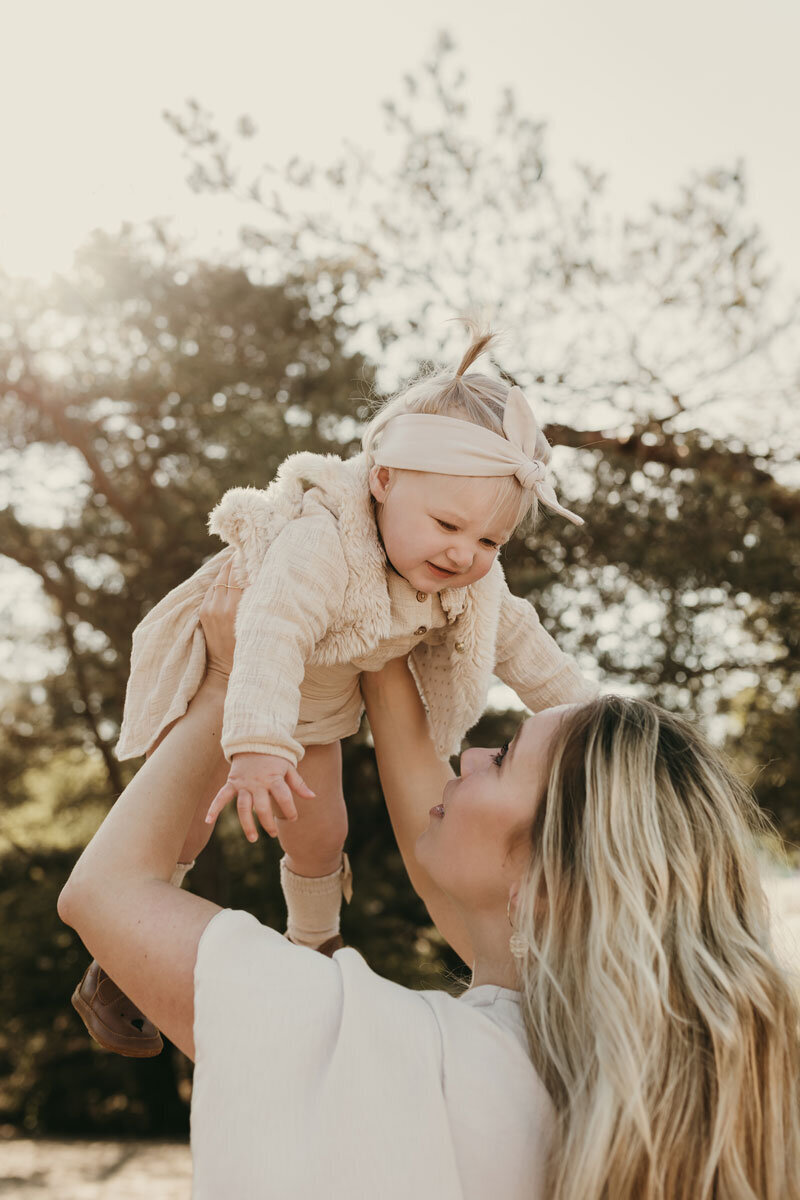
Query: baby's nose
[{"x": 460, "y": 557}]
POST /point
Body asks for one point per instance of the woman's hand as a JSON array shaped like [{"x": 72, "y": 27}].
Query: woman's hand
[{"x": 218, "y": 617}]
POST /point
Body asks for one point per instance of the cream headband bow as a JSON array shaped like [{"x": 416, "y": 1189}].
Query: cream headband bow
[{"x": 450, "y": 446}]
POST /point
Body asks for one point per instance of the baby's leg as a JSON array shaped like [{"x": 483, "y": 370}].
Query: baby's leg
[
  {"x": 313, "y": 843},
  {"x": 315, "y": 873}
]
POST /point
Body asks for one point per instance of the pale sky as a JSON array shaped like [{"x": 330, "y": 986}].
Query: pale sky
[{"x": 646, "y": 92}]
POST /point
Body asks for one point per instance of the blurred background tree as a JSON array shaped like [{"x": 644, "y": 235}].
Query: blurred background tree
[{"x": 661, "y": 352}]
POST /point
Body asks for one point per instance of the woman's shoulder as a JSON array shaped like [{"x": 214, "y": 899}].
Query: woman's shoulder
[
  {"x": 483, "y": 1021},
  {"x": 236, "y": 948},
  {"x": 288, "y": 1039},
  {"x": 238, "y": 956},
  {"x": 298, "y": 1037}
]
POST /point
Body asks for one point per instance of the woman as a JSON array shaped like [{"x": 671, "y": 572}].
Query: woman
[{"x": 627, "y": 1033}]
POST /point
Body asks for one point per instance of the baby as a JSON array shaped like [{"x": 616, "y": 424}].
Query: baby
[{"x": 346, "y": 565}]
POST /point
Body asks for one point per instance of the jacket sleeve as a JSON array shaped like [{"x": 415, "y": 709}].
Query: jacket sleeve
[
  {"x": 530, "y": 662},
  {"x": 286, "y": 610}
]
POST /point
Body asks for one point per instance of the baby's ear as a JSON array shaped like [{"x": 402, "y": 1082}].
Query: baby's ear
[{"x": 379, "y": 479}]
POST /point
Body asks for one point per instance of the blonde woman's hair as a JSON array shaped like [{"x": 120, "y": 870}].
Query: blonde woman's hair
[
  {"x": 659, "y": 1019},
  {"x": 473, "y": 397}
]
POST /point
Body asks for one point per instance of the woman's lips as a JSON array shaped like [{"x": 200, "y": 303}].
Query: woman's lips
[
  {"x": 439, "y": 572},
  {"x": 437, "y": 810}
]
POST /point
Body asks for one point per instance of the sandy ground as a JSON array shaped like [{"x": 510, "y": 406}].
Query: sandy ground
[
  {"x": 54, "y": 1169},
  {"x": 76, "y": 1170},
  {"x": 783, "y": 894}
]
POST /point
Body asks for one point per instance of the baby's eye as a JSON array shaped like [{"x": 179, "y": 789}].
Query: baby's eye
[
  {"x": 497, "y": 759},
  {"x": 445, "y": 525},
  {"x": 491, "y": 545}
]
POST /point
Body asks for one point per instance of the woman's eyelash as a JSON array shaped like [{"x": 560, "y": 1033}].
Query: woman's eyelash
[{"x": 501, "y": 753}]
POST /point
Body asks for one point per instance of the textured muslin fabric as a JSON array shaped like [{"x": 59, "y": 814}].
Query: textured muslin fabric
[
  {"x": 321, "y": 597},
  {"x": 317, "y": 1077}
]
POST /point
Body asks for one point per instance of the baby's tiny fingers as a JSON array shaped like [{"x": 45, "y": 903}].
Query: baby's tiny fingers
[
  {"x": 223, "y": 797},
  {"x": 244, "y": 807},
  {"x": 263, "y": 807},
  {"x": 284, "y": 800},
  {"x": 298, "y": 784}
]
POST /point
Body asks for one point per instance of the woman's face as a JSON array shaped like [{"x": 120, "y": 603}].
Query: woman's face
[{"x": 469, "y": 848}]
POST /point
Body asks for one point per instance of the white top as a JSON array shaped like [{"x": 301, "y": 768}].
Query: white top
[{"x": 315, "y": 1077}]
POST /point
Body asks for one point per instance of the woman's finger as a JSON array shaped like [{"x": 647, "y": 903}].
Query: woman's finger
[
  {"x": 244, "y": 807},
  {"x": 235, "y": 576},
  {"x": 298, "y": 784},
  {"x": 215, "y": 592},
  {"x": 223, "y": 797}
]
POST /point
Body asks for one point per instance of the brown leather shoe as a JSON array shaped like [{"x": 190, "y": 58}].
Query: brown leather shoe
[
  {"x": 112, "y": 1019},
  {"x": 330, "y": 947}
]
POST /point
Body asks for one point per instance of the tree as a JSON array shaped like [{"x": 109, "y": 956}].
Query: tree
[
  {"x": 174, "y": 382},
  {"x": 156, "y": 383},
  {"x": 662, "y": 349}
]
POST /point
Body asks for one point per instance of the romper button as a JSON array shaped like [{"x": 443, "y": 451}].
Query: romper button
[
  {"x": 422, "y": 597},
  {"x": 460, "y": 647},
  {"x": 422, "y": 629}
]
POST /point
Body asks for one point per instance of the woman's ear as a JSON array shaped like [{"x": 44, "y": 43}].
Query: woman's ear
[{"x": 379, "y": 480}]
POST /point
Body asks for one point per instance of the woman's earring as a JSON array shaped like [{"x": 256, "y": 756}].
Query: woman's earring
[{"x": 517, "y": 944}]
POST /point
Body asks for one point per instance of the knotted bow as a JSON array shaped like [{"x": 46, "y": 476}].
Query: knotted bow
[
  {"x": 523, "y": 431},
  {"x": 449, "y": 446}
]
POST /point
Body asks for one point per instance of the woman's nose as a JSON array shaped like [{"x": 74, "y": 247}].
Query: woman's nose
[{"x": 472, "y": 760}]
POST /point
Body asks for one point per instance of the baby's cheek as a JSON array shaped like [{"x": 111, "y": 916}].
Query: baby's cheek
[{"x": 481, "y": 568}]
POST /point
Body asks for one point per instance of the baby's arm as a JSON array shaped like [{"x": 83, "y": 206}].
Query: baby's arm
[
  {"x": 286, "y": 610},
  {"x": 530, "y": 661}
]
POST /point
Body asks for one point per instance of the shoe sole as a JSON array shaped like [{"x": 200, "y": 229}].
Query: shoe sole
[{"x": 96, "y": 1027}]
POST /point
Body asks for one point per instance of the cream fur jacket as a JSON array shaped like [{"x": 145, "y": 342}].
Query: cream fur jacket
[{"x": 317, "y": 593}]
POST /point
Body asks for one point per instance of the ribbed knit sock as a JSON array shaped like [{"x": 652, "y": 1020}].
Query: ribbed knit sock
[
  {"x": 179, "y": 874},
  {"x": 313, "y": 905}
]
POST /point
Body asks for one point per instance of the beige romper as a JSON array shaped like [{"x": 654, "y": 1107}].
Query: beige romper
[{"x": 330, "y": 697}]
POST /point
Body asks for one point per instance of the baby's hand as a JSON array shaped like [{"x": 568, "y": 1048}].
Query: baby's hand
[{"x": 260, "y": 781}]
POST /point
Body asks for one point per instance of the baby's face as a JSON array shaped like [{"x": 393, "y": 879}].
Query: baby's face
[{"x": 434, "y": 527}]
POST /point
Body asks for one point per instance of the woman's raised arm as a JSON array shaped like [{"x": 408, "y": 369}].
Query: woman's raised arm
[
  {"x": 144, "y": 932},
  {"x": 412, "y": 778}
]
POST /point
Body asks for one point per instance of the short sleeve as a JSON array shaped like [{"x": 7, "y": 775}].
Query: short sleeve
[
  {"x": 310, "y": 1070},
  {"x": 251, "y": 983}
]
